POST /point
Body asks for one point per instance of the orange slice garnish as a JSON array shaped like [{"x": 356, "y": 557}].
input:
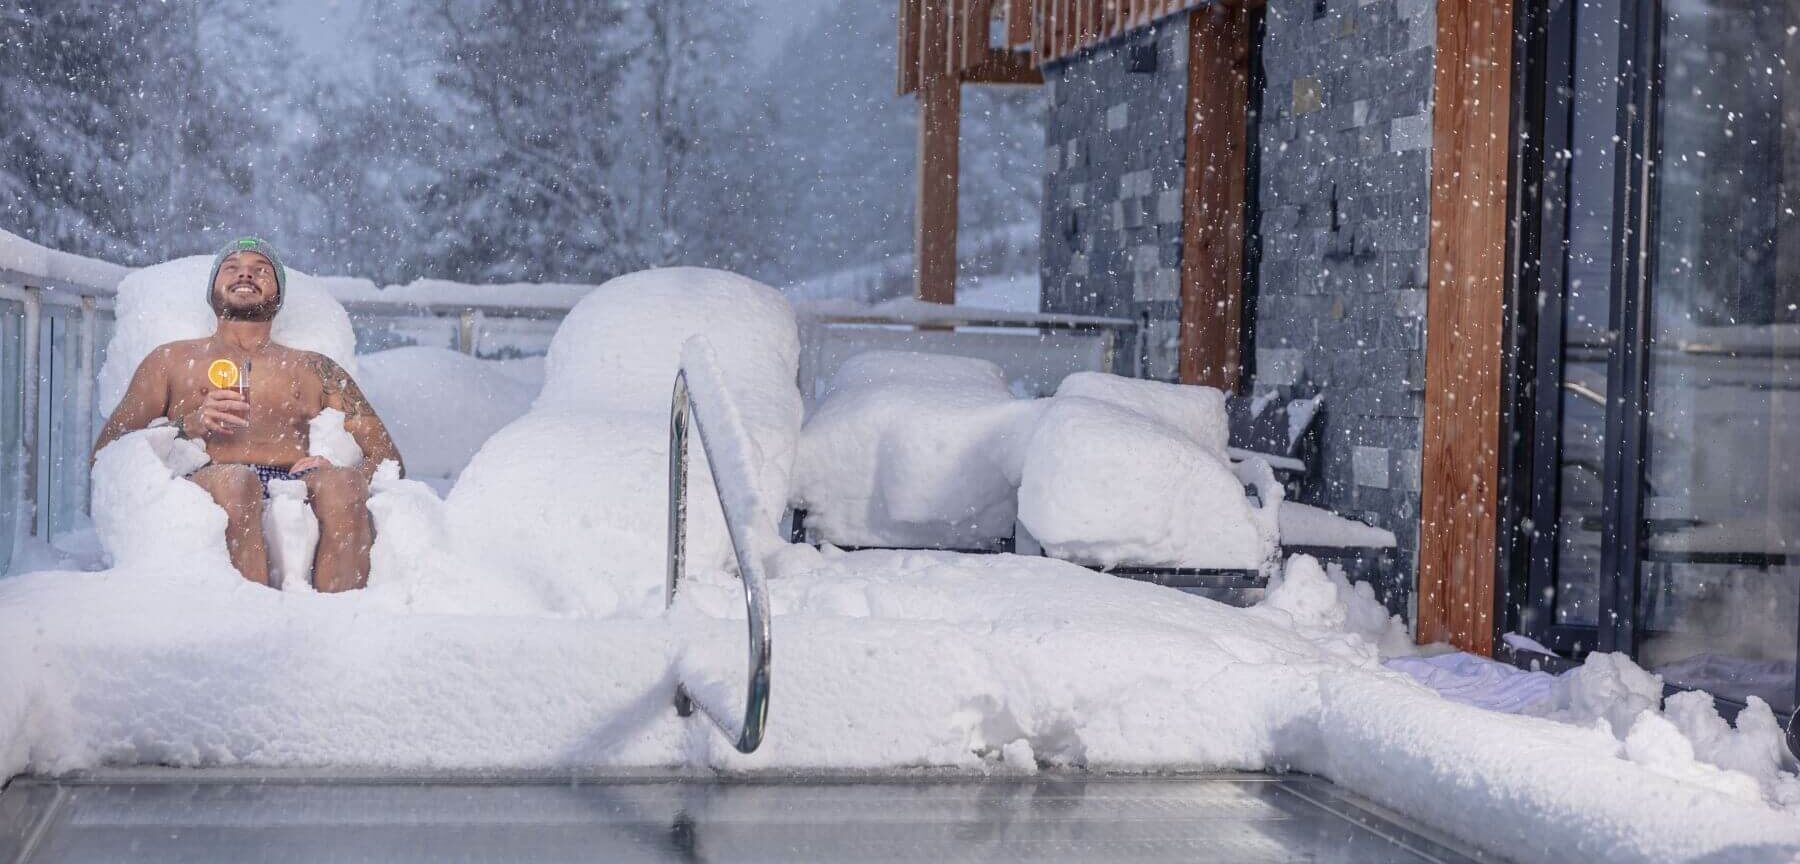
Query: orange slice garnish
[{"x": 223, "y": 374}]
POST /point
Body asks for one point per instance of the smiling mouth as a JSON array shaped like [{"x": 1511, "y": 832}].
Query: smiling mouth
[{"x": 244, "y": 289}]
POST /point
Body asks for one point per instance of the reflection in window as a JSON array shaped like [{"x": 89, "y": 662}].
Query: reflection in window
[{"x": 1720, "y": 598}]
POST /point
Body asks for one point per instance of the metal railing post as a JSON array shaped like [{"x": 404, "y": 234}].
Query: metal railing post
[
  {"x": 749, "y": 734},
  {"x": 679, "y": 408},
  {"x": 465, "y": 332},
  {"x": 29, "y": 410}
]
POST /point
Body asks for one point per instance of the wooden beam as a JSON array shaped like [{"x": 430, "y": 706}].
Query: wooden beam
[
  {"x": 1019, "y": 15},
  {"x": 909, "y": 46},
  {"x": 953, "y": 32},
  {"x": 940, "y": 109},
  {"x": 1465, "y": 311},
  {"x": 972, "y": 18},
  {"x": 934, "y": 239},
  {"x": 1062, "y": 27},
  {"x": 1038, "y": 33},
  {"x": 1212, "y": 222},
  {"x": 1003, "y": 67}
]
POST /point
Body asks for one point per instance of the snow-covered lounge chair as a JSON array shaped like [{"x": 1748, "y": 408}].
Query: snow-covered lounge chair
[
  {"x": 563, "y": 511},
  {"x": 144, "y": 513},
  {"x": 910, "y": 450},
  {"x": 1135, "y": 477}
]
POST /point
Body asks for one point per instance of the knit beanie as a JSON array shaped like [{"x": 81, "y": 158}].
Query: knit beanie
[{"x": 248, "y": 244}]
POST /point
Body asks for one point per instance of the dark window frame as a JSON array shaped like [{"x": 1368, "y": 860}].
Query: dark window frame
[{"x": 1531, "y": 422}]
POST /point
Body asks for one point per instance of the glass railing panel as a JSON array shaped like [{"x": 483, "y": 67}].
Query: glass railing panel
[
  {"x": 12, "y": 323},
  {"x": 63, "y": 469}
]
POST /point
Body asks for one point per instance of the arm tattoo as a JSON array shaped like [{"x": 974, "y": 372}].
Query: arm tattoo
[{"x": 339, "y": 386}]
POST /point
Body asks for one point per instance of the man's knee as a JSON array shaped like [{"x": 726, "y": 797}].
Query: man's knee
[
  {"x": 337, "y": 492},
  {"x": 236, "y": 488}
]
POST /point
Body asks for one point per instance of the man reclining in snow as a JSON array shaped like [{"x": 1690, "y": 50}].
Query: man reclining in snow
[{"x": 258, "y": 433}]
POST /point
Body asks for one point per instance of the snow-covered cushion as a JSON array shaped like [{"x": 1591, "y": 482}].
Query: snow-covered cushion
[
  {"x": 1105, "y": 484},
  {"x": 1194, "y": 412},
  {"x": 572, "y": 499},
  {"x": 913, "y": 450},
  {"x": 917, "y": 450}
]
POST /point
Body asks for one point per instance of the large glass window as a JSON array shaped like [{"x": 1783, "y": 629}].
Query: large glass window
[
  {"x": 1719, "y": 599},
  {"x": 1666, "y": 438}
]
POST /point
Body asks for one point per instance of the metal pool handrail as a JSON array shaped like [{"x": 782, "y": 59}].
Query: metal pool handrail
[{"x": 748, "y": 733}]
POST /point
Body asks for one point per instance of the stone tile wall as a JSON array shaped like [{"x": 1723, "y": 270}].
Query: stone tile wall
[
  {"x": 1344, "y": 195},
  {"x": 1344, "y": 189},
  {"x": 1112, "y": 185}
]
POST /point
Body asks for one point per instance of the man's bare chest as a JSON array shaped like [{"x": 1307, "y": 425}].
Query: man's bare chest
[{"x": 283, "y": 391}]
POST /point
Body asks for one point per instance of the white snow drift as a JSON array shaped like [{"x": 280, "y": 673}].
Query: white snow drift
[{"x": 514, "y": 626}]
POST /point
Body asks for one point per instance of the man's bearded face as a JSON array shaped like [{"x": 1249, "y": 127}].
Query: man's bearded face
[{"x": 246, "y": 289}]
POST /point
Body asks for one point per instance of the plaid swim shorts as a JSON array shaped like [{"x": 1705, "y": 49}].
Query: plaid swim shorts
[{"x": 265, "y": 473}]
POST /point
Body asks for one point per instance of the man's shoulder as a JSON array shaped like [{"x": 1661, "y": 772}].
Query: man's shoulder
[
  {"x": 311, "y": 358},
  {"x": 179, "y": 349}
]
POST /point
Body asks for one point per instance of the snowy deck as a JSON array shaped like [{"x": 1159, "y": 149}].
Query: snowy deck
[
  {"x": 208, "y": 816},
  {"x": 518, "y": 625}
]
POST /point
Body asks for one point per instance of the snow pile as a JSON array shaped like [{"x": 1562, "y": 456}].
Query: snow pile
[
  {"x": 913, "y": 450},
  {"x": 1526, "y": 788},
  {"x": 1306, "y": 525},
  {"x": 291, "y": 530},
  {"x": 1685, "y": 738},
  {"x": 146, "y": 515},
  {"x": 884, "y": 661},
  {"x": 327, "y": 437},
  {"x": 168, "y": 302},
  {"x": 1755, "y": 747},
  {"x": 572, "y": 498},
  {"x": 23, "y": 256},
  {"x": 1121, "y": 471},
  {"x": 1316, "y": 599},
  {"x": 1196, "y": 412},
  {"x": 441, "y": 405},
  {"x": 1605, "y": 687}
]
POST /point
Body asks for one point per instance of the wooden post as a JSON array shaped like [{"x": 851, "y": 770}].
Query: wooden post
[
  {"x": 1465, "y": 314},
  {"x": 1212, "y": 220},
  {"x": 940, "y": 109},
  {"x": 909, "y": 46}
]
